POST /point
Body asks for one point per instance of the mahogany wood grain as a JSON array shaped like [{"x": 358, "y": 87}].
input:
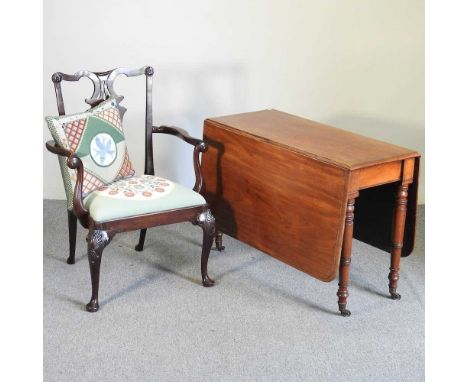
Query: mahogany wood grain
[
  {"x": 397, "y": 245},
  {"x": 325, "y": 143},
  {"x": 374, "y": 214},
  {"x": 151, "y": 220},
  {"x": 288, "y": 186},
  {"x": 408, "y": 170},
  {"x": 375, "y": 175},
  {"x": 345, "y": 261},
  {"x": 274, "y": 199}
]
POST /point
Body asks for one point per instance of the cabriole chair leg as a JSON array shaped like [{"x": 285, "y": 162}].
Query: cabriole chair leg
[
  {"x": 97, "y": 241},
  {"x": 207, "y": 223}
]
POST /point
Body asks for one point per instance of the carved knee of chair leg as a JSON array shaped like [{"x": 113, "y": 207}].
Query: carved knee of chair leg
[
  {"x": 97, "y": 241},
  {"x": 207, "y": 222}
]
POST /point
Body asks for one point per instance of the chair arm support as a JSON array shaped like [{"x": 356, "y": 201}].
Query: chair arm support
[
  {"x": 75, "y": 163},
  {"x": 199, "y": 147}
]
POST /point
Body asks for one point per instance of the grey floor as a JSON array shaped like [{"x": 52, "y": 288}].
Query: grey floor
[{"x": 262, "y": 321}]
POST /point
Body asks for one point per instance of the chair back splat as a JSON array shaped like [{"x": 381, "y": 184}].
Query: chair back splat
[{"x": 103, "y": 83}]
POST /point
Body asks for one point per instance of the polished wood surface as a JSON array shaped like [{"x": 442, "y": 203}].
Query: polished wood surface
[
  {"x": 274, "y": 199},
  {"x": 325, "y": 143},
  {"x": 298, "y": 190},
  {"x": 345, "y": 261},
  {"x": 397, "y": 238},
  {"x": 375, "y": 211}
]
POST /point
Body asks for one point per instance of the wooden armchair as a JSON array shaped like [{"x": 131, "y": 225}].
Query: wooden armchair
[{"x": 102, "y": 229}]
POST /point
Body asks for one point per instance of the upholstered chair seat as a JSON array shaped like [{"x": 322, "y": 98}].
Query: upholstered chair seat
[{"x": 139, "y": 195}]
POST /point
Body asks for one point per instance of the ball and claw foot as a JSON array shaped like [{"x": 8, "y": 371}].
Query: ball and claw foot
[
  {"x": 207, "y": 282},
  {"x": 138, "y": 247},
  {"x": 92, "y": 306},
  {"x": 70, "y": 260}
]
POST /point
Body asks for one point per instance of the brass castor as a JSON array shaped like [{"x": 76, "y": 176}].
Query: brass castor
[
  {"x": 345, "y": 312},
  {"x": 393, "y": 294}
]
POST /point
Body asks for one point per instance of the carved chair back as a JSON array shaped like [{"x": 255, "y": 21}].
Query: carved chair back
[{"x": 103, "y": 83}]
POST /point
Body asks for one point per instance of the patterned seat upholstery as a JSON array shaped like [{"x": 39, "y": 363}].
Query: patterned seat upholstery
[{"x": 139, "y": 195}]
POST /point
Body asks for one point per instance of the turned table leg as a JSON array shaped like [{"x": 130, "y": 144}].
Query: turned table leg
[
  {"x": 345, "y": 260},
  {"x": 397, "y": 239}
]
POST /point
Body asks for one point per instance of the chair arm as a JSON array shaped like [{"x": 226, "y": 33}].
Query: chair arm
[
  {"x": 53, "y": 148},
  {"x": 75, "y": 163},
  {"x": 199, "y": 147},
  {"x": 179, "y": 133}
]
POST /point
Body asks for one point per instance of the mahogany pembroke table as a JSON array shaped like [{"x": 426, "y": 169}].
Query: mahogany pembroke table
[{"x": 299, "y": 191}]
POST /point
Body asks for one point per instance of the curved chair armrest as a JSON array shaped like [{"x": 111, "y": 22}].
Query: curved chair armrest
[
  {"x": 199, "y": 147},
  {"x": 53, "y": 148},
  {"x": 178, "y": 132},
  {"x": 75, "y": 163}
]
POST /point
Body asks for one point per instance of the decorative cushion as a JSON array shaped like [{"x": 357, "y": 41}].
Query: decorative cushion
[
  {"x": 96, "y": 137},
  {"x": 139, "y": 195}
]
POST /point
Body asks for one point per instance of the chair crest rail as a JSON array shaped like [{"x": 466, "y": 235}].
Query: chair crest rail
[{"x": 103, "y": 83}]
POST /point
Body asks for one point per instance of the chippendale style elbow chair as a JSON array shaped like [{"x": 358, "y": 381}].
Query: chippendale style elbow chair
[{"x": 103, "y": 192}]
